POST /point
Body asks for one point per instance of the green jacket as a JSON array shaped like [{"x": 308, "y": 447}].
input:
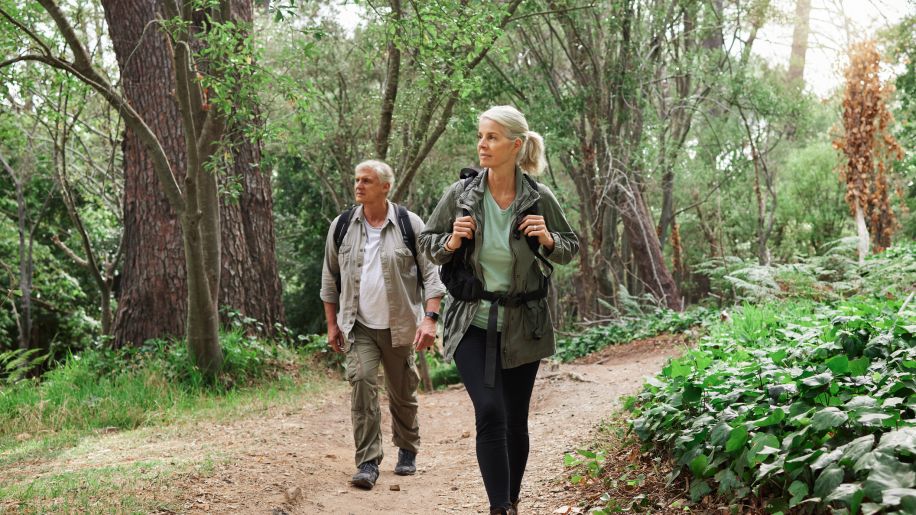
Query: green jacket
[{"x": 527, "y": 334}]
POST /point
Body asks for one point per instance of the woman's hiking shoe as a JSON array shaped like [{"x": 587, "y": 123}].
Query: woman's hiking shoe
[
  {"x": 366, "y": 476},
  {"x": 407, "y": 463}
]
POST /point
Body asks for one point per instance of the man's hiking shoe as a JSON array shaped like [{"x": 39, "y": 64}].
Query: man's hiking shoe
[
  {"x": 407, "y": 463},
  {"x": 366, "y": 476}
]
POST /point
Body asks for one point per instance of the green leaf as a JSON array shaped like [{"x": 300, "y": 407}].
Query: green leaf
[
  {"x": 778, "y": 356},
  {"x": 698, "y": 465},
  {"x": 859, "y": 367},
  {"x": 692, "y": 393},
  {"x": 698, "y": 488},
  {"x": 849, "y": 493},
  {"x": 719, "y": 434},
  {"x": 856, "y": 449},
  {"x": 736, "y": 439},
  {"x": 569, "y": 460},
  {"x": 872, "y": 419},
  {"x": 679, "y": 369},
  {"x": 895, "y": 496},
  {"x": 818, "y": 380},
  {"x": 888, "y": 472},
  {"x": 903, "y": 439},
  {"x": 838, "y": 364},
  {"x": 799, "y": 491},
  {"x": 776, "y": 416},
  {"x": 861, "y": 401},
  {"x": 828, "y": 481},
  {"x": 828, "y": 418},
  {"x": 728, "y": 481}
]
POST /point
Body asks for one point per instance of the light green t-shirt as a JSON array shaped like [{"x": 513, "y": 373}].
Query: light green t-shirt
[{"x": 495, "y": 255}]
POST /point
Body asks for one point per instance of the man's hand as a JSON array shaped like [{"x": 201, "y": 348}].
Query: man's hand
[
  {"x": 335, "y": 337},
  {"x": 426, "y": 334}
]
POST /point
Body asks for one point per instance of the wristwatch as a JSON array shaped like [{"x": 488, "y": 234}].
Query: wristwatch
[{"x": 433, "y": 315}]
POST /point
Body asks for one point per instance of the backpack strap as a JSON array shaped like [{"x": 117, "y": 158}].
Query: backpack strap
[
  {"x": 410, "y": 239},
  {"x": 340, "y": 231},
  {"x": 343, "y": 224},
  {"x": 533, "y": 243}
]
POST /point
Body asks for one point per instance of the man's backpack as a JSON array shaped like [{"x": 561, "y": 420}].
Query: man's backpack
[
  {"x": 407, "y": 234},
  {"x": 458, "y": 275}
]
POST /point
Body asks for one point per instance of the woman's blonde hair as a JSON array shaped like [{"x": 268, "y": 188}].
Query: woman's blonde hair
[{"x": 531, "y": 155}]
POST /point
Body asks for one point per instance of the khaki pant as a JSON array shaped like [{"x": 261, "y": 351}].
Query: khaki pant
[{"x": 371, "y": 347}]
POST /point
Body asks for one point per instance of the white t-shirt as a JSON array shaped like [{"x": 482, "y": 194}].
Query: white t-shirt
[{"x": 373, "y": 299}]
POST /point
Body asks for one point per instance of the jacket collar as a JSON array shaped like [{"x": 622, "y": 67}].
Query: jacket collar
[
  {"x": 525, "y": 195},
  {"x": 390, "y": 217}
]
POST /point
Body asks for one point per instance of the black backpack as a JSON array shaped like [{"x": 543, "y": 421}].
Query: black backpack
[
  {"x": 458, "y": 275},
  {"x": 407, "y": 234}
]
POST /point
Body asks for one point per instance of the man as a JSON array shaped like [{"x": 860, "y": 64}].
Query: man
[{"x": 373, "y": 286}]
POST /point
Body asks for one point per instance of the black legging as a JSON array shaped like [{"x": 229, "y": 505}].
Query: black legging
[{"x": 502, "y": 418}]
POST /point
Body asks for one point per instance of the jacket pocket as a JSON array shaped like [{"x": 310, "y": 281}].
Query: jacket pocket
[
  {"x": 534, "y": 318},
  {"x": 344, "y": 257}
]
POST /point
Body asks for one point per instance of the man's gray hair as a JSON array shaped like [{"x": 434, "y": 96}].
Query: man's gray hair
[{"x": 381, "y": 168}]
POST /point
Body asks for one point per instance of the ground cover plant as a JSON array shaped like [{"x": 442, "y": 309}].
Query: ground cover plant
[
  {"x": 808, "y": 405},
  {"x": 629, "y": 328}
]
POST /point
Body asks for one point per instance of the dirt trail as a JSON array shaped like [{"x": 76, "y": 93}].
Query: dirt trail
[
  {"x": 301, "y": 461},
  {"x": 276, "y": 459}
]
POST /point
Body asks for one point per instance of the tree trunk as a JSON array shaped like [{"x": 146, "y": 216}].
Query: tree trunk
[
  {"x": 763, "y": 255},
  {"x": 799, "y": 42},
  {"x": 25, "y": 268},
  {"x": 154, "y": 284},
  {"x": 423, "y": 365},
  {"x": 646, "y": 249},
  {"x": 862, "y": 230}
]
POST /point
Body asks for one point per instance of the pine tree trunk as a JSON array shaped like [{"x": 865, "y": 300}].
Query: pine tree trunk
[{"x": 153, "y": 295}]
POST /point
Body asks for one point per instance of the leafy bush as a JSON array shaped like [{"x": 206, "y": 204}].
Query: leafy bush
[
  {"x": 631, "y": 328},
  {"x": 830, "y": 277},
  {"x": 441, "y": 373},
  {"x": 801, "y": 403}
]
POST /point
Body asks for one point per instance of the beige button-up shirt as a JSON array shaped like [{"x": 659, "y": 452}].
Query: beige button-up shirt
[{"x": 405, "y": 297}]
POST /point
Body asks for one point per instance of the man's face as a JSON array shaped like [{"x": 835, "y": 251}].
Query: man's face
[{"x": 368, "y": 188}]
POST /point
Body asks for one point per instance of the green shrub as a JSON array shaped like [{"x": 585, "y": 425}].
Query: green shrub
[{"x": 797, "y": 402}]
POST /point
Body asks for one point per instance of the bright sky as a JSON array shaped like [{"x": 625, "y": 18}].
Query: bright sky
[
  {"x": 834, "y": 24},
  {"x": 831, "y": 33}
]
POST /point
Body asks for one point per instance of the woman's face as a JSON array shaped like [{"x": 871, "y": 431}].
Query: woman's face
[{"x": 494, "y": 148}]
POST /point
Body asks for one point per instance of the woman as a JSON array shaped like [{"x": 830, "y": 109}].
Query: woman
[{"x": 497, "y": 327}]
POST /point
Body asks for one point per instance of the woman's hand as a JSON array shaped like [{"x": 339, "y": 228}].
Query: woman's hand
[
  {"x": 462, "y": 229},
  {"x": 535, "y": 225}
]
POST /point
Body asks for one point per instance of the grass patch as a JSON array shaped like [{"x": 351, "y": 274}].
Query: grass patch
[
  {"x": 131, "y": 488},
  {"x": 152, "y": 385},
  {"x": 65, "y": 417}
]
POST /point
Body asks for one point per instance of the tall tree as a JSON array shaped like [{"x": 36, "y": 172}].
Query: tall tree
[
  {"x": 207, "y": 119},
  {"x": 153, "y": 283},
  {"x": 604, "y": 66},
  {"x": 799, "y": 41}
]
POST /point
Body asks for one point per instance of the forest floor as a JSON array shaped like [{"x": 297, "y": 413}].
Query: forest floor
[{"x": 297, "y": 457}]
